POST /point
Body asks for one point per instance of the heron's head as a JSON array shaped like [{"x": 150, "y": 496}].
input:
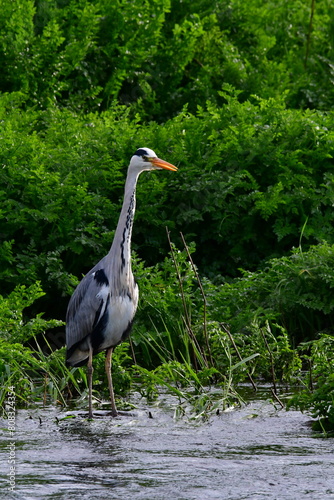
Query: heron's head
[{"x": 146, "y": 159}]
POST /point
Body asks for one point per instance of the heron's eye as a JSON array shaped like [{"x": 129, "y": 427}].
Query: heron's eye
[{"x": 145, "y": 158}]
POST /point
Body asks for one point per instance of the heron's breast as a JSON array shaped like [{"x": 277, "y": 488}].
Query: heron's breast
[{"x": 121, "y": 311}]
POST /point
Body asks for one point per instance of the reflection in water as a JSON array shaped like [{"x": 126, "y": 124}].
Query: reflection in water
[{"x": 253, "y": 453}]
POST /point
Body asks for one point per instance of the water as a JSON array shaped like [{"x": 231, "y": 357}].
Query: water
[{"x": 257, "y": 452}]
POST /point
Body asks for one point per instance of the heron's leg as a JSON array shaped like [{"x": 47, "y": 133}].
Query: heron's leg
[
  {"x": 90, "y": 371},
  {"x": 111, "y": 389}
]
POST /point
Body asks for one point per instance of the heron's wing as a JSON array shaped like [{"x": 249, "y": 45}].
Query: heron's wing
[{"x": 87, "y": 305}]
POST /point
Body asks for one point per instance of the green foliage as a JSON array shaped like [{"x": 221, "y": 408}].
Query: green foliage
[
  {"x": 250, "y": 176},
  {"x": 254, "y": 173},
  {"x": 20, "y": 365},
  {"x": 318, "y": 396},
  {"x": 195, "y": 399},
  {"x": 295, "y": 291},
  {"x": 13, "y": 326},
  {"x": 159, "y": 318},
  {"x": 175, "y": 339},
  {"x": 160, "y": 55}
]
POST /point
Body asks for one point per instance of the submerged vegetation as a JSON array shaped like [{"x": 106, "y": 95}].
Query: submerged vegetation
[{"x": 240, "y": 288}]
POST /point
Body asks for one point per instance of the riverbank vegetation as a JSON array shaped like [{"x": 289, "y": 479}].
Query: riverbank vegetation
[{"x": 233, "y": 254}]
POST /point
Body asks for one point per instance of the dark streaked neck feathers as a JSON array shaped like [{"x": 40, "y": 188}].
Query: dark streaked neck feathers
[{"x": 120, "y": 251}]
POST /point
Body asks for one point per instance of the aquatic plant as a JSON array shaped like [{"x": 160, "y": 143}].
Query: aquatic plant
[
  {"x": 20, "y": 364},
  {"x": 317, "y": 396}
]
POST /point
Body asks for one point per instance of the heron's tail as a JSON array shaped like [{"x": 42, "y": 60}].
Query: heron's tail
[{"x": 76, "y": 357}]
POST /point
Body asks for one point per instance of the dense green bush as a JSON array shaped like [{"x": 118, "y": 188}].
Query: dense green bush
[
  {"x": 318, "y": 393},
  {"x": 296, "y": 291},
  {"x": 159, "y": 56},
  {"x": 253, "y": 177},
  {"x": 20, "y": 365}
]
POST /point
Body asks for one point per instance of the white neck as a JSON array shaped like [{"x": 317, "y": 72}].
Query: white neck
[{"x": 120, "y": 251}]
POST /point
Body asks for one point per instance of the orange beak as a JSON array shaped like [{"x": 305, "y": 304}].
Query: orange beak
[{"x": 162, "y": 164}]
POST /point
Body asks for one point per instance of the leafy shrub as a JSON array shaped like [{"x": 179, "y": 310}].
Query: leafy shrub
[
  {"x": 318, "y": 395},
  {"x": 158, "y": 56},
  {"x": 294, "y": 291},
  {"x": 19, "y": 364}
]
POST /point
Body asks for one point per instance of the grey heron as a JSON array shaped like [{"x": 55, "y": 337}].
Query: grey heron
[{"x": 101, "y": 310}]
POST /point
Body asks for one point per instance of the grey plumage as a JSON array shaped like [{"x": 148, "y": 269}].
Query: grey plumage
[{"x": 101, "y": 310}]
